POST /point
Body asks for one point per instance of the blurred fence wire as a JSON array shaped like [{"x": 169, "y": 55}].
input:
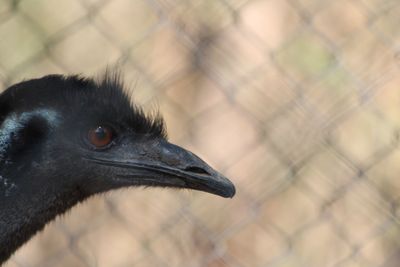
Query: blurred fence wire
[{"x": 298, "y": 101}]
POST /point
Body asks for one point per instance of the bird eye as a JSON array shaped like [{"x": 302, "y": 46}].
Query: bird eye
[{"x": 100, "y": 136}]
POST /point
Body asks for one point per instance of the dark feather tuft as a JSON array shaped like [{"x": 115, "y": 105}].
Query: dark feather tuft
[
  {"x": 151, "y": 123},
  {"x": 93, "y": 100}
]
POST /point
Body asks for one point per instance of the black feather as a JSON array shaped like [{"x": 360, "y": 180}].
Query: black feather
[{"x": 105, "y": 98}]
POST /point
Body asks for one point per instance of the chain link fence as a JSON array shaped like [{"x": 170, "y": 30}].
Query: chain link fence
[{"x": 297, "y": 101}]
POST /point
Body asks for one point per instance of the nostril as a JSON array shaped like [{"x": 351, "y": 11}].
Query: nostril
[{"x": 196, "y": 170}]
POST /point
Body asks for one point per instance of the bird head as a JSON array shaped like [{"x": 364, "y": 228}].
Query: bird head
[{"x": 74, "y": 135}]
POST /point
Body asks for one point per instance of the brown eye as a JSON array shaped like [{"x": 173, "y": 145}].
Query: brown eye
[{"x": 100, "y": 136}]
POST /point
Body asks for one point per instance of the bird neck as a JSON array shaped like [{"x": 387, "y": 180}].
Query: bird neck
[{"x": 22, "y": 215}]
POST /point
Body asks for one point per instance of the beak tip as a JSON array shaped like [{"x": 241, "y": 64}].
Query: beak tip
[{"x": 229, "y": 190}]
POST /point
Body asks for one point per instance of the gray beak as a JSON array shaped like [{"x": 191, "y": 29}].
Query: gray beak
[{"x": 167, "y": 165}]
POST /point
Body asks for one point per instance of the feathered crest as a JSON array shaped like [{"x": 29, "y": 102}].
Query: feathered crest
[
  {"x": 104, "y": 97},
  {"x": 151, "y": 122}
]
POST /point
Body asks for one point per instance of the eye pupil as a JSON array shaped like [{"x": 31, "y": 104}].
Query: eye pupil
[
  {"x": 100, "y": 133},
  {"x": 100, "y": 136}
]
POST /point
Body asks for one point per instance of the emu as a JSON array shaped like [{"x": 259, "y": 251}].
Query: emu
[{"x": 66, "y": 138}]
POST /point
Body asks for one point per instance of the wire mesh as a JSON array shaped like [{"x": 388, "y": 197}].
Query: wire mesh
[{"x": 297, "y": 101}]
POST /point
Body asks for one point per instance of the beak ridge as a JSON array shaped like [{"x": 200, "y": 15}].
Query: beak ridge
[{"x": 161, "y": 163}]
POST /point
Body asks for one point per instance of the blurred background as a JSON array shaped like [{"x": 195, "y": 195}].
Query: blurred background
[{"x": 297, "y": 101}]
